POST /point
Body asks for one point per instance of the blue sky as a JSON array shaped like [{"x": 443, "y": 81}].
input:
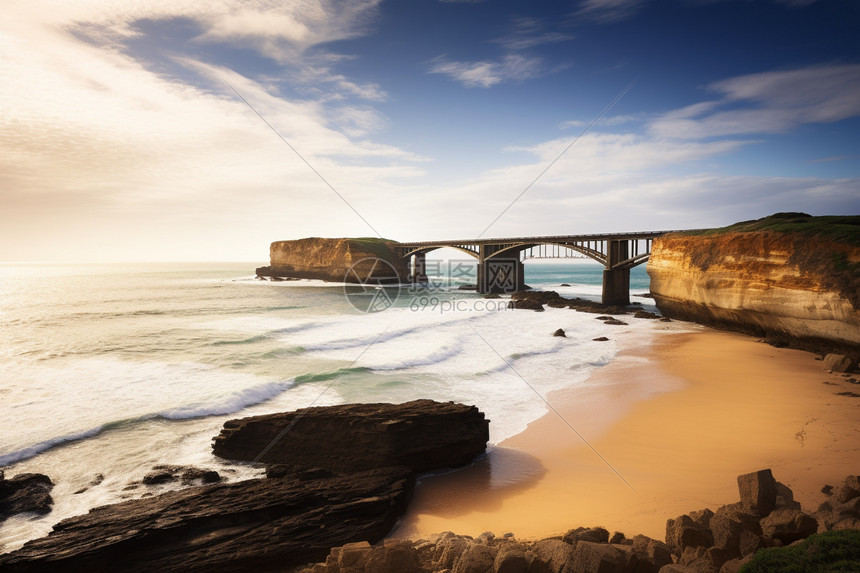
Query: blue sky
[{"x": 121, "y": 137}]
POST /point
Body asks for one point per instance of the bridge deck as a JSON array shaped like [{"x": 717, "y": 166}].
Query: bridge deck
[{"x": 542, "y": 239}]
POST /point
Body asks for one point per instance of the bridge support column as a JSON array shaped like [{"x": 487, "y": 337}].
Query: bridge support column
[
  {"x": 500, "y": 276},
  {"x": 419, "y": 268},
  {"x": 616, "y": 281}
]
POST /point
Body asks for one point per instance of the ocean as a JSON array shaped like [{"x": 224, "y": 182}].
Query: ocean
[{"x": 109, "y": 370}]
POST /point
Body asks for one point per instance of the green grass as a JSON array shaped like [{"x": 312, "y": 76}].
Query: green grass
[
  {"x": 844, "y": 229},
  {"x": 829, "y": 552},
  {"x": 379, "y": 247}
]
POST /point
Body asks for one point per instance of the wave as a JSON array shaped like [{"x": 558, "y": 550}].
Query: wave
[
  {"x": 325, "y": 376},
  {"x": 238, "y": 400}
]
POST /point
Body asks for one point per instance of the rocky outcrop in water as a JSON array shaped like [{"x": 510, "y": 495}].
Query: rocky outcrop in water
[
  {"x": 258, "y": 524},
  {"x": 421, "y": 435},
  {"x": 337, "y": 260},
  {"x": 790, "y": 278},
  {"x": 25, "y": 493},
  {"x": 346, "y": 474}
]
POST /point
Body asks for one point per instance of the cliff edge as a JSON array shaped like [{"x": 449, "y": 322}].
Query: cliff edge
[
  {"x": 790, "y": 277},
  {"x": 338, "y": 260}
]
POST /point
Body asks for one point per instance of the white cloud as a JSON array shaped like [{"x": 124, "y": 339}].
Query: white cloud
[
  {"x": 488, "y": 73},
  {"x": 769, "y": 102}
]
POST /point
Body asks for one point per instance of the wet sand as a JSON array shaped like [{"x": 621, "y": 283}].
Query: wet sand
[{"x": 663, "y": 430}]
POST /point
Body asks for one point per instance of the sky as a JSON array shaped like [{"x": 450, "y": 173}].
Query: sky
[{"x": 203, "y": 130}]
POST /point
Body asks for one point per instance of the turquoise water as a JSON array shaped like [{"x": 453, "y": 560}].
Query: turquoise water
[{"x": 111, "y": 369}]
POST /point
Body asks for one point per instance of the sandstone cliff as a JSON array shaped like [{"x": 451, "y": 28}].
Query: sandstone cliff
[
  {"x": 791, "y": 278},
  {"x": 338, "y": 260}
]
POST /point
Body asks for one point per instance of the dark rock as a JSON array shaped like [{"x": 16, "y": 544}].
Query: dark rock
[
  {"x": 159, "y": 477},
  {"x": 689, "y": 531},
  {"x": 25, "y": 493},
  {"x": 847, "y": 490},
  {"x": 257, "y": 524},
  {"x": 492, "y": 295},
  {"x": 839, "y": 363},
  {"x": 615, "y": 322},
  {"x": 758, "y": 491},
  {"x": 191, "y": 475},
  {"x": 665, "y": 319},
  {"x": 735, "y": 565},
  {"x": 618, "y": 537},
  {"x": 449, "y": 547},
  {"x": 788, "y": 525},
  {"x": 512, "y": 558},
  {"x": 592, "y": 534},
  {"x": 559, "y": 332},
  {"x": 564, "y": 284},
  {"x": 602, "y": 318},
  {"x": 827, "y": 490},
  {"x": 649, "y": 555},
  {"x": 525, "y": 305},
  {"x": 467, "y": 287},
  {"x": 736, "y": 531},
  {"x": 421, "y": 435},
  {"x": 600, "y": 339},
  {"x": 785, "y": 497},
  {"x": 645, "y": 314},
  {"x": 395, "y": 556}
]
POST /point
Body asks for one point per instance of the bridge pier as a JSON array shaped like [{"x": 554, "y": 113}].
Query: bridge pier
[
  {"x": 419, "y": 268},
  {"x": 500, "y": 276},
  {"x": 616, "y": 280}
]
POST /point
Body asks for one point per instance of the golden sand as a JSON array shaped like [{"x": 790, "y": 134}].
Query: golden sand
[{"x": 678, "y": 421}]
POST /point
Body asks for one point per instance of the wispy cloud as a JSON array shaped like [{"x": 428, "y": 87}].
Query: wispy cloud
[
  {"x": 606, "y": 11},
  {"x": 487, "y": 73},
  {"x": 769, "y": 102},
  {"x": 528, "y": 33}
]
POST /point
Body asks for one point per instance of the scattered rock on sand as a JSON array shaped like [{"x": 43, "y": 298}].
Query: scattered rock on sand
[
  {"x": 559, "y": 332},
  {"x": 600, "y": 339},
  {"x": 839, "y": 363}
]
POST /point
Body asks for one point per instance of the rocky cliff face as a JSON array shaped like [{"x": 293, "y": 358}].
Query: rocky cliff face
[
  {"x": 338, "y": 260},
  {"x": 792, "y": 287}
]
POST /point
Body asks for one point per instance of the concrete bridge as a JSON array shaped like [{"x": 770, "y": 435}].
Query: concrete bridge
[{"x": 500, "y": 266}]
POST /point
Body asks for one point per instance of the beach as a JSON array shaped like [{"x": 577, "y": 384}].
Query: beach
[{"x": 662, "y": 440}]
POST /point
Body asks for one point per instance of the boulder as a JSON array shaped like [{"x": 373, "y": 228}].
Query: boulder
[
  {"x": 735, "y": 565},
  {"x": 593, "y": 534},
  {"x": 839, "y": 363},
  {"x": 449, "y": 547},
  {"x": 25, "y": 493},
  {"x": 552, "y": 556},
  {"x": 477, "y": 558},
  {"x": 395, "y": 556},
  {"x": 677, "y": 568},
  {"x": 559, "y": 332},
  {"x": 788, "y": 525},
  {"x": 421, "y": 435},
  {"x": 512, "y": 558},
  {"x": 248, "y": 525},
  {"x": 758, "y": 491},
  {"x": 645, "y": 314},
  {"x": 736, "y": 531},
  {"x": 847, "y": 490},
  {"x": 649, "y": 555},
  {"x": 590, "y": 557},
  {"x": 600, "y": 339},
  {"x": 689, "y": 531}
]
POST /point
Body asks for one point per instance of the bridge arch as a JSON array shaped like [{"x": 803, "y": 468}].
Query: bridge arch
[{"x": 516, "y": 249}]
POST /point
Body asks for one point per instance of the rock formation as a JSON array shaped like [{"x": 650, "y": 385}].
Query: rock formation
[
  {"x": 790, "y": 278},
  {"x": 421, "y": 435},
  {"x": 346, "y": 474},
  {"x": 699, "y": 542},
  {"x": 337, "y": 260},
  {"x": 25, "y": 493},
  {"x": 257, "y": 524}
]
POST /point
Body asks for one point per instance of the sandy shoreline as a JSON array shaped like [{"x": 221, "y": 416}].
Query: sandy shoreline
[{"x": 678, "y": 421}]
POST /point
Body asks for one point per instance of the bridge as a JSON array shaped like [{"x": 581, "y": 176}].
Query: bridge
[{"x": 500, "y": 261}]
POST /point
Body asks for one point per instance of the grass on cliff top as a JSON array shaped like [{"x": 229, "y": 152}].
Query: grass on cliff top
[
  {"x": 844, "y": 229},
  {"x": 830, "y": 551}
]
